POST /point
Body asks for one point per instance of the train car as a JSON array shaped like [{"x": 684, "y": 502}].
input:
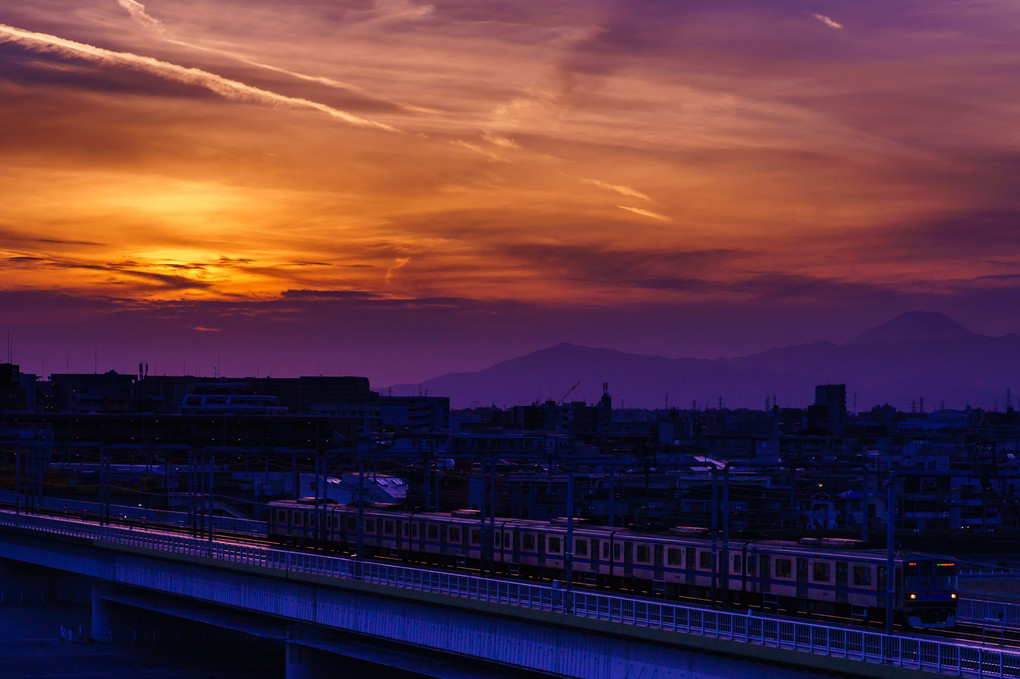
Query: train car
[{"x": 812, "y": 576}]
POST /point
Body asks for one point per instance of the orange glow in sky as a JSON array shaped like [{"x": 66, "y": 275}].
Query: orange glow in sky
[{"x": 521, "y": 160}]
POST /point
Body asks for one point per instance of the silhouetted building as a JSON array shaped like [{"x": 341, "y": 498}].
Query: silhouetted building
[
  {"x": 108, "y": 392},
  {"x": 324, "y": 389},
  {"x": 17, "y": 389},
  {"x": 829, "y": 409}
]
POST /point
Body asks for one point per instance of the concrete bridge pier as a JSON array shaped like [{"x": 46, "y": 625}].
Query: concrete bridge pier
[{"x": 102, "y": 616}]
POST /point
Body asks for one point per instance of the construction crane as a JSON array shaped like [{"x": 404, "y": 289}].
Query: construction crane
[{"x": 569, "y": 392}]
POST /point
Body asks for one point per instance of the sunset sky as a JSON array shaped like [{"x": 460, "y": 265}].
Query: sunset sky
[{"x": 399, "y": 189}]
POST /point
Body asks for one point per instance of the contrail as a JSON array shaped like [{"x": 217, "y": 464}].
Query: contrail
[
  {"x": 230, "y": 89},
  {"x": 645, "y": 213},
  {"x": 138, "y": 12}
]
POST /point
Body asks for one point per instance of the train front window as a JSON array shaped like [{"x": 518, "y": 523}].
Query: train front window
[
  {"x": 945, "y": 576},
  {"x": 913, "y": 574}
]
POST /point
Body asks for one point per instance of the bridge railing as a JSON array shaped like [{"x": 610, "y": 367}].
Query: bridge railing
[
  {"x": 988, "y": 612},
  {"x": 958, "y": 659}
]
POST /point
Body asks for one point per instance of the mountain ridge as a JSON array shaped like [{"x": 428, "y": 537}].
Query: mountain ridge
[{"x": 927, "y": 356}]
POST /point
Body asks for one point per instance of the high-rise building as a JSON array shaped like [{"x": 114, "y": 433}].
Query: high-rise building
[{"x": 829, "y": 409}]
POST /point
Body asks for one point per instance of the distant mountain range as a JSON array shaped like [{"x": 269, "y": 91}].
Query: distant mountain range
[{"x": 916, "y": 355}]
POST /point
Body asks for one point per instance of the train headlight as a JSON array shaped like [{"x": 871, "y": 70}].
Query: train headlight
[
  {"x": 913, "y": 596},
  {"x": 953, "y": 595}
]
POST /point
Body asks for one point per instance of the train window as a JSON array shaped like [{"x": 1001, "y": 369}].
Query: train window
[
  {"x": 442, "y": 533},
  {"x": 862, "y": 575},
  {"x": 529, "y": 542},
  {"x": 352, "y": 523},
  {"x": 554, "y": 545},
  {"x": 674, "y": 556},
  {"x": 581, "y": 547},
  {"x": 474, "y": 536},
  {"x": 433, "y": 532},
  {"x": 388, "y": 527},
  {"x": 414, "y": 530},
  {"x": 643, "y": 553},
  {"x": 506, "y": 539},
  {"x": 821, "y": 572},
  {"x": 454, "y": 534},
  {"x": 705, "y": 560},
  {"x": 784, "y": 568},
  {"x": 605, "y": 550},
  {"x": 406, "y": 527},
  {"x": 736, "y": 564},
  {"x": 750, "y": 565},
  {"x": 369, "y": 525},
  {"x": 617, "y": 550}
]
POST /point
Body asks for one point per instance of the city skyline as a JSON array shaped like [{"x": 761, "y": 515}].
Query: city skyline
[{"x": 404, "y": 189}]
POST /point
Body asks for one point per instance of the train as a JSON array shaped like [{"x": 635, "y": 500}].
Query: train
[{"x": 812, "y": 576}]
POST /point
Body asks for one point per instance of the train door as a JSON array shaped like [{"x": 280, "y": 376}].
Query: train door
[
  {"x": 842, "y": 582},
  {"x": 516, "y": 557},
  {"x": 594, "y": 555},
  {"x": 628, "y": 559},
  {"x": 802, "y": 574},
  {"x": 657, "y": 563},
  {"x": 690, "y": 561},
  {"x": 541, "y": 549},
  {"x": 764, "y": 573}
]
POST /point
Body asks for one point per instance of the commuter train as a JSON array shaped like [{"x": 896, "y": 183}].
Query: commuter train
[{"x": 815, "y": 576}]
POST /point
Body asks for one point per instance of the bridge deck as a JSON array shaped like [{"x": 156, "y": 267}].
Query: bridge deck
[{"x": 540, "y": 627}]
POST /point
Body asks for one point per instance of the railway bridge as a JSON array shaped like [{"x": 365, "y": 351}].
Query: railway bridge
[{"x": 438, "y": 623}]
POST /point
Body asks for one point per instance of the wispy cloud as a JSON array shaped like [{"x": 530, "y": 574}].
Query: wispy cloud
[
  {"x": 645, "y": 213},
  {"x": 501, "y": 141},
  {"x": 398, "y": 264},
  {"x": 400, "y": 10},
  {"x": 827, "y": 21},
  {"x": 488, "y": 153},
  {"x": 618, "y": 188},
  {"x": 137, "y": 12},
  {"x": 230, "y": 89}
]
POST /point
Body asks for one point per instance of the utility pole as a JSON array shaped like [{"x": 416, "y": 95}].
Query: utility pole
[
  {"x": 568, "y": 551},
  {"x": 890, "y": 548}
]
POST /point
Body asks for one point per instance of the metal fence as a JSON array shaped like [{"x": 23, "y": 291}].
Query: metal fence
[
  {"x": 995, "y": 613},
  {"x": 956, "y": 659},
  {"x": 84, "y": 507}
]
